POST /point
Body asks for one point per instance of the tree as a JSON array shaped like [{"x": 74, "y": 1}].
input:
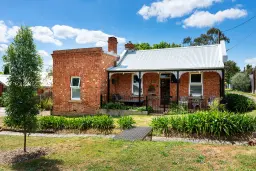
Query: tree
[
  {"x": 6, "y": 64},
  {"x": 161, "y": 45},
  {"x": 212, "y": 36},
  {"x": 25, "y": 69},
  {"x": 248, "y": 69},
  {"x": 231, "y": 69},
  {"x": 241, "y": 82}
]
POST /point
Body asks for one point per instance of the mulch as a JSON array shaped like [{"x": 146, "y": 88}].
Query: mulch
[{"x": 18, "y": 155}]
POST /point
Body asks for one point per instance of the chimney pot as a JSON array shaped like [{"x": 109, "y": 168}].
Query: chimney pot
[{"x": 129, "y": 46}]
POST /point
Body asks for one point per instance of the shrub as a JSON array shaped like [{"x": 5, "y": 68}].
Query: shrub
[
  {"x": 46, "y": 104},
  {"x": 209, "y": 123},
  {"x": 239, "y": 103},
  {"x": 175, "y": 109},
  {"x": 143, "y": 108},
  {"x": 3, "y": 100},
  {"x": 241, "y": 82},
  {"x": 161, "y": 124},
  {"x": 126, "y": 122},
  {"x": 103, "y": 123},
  {"x": 51, "y": 122},
  {"x": 116, "y": 105}
]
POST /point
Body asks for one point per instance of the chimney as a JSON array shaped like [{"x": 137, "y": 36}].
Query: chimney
[
  {"x": 129, "y": 46},
  {"x": 112, "y": 44}
]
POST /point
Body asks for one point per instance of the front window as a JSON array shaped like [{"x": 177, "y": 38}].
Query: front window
[
  {"x": 196, "y": 85},
  {"x": 75, "y": 88},
  {"x": 135, "y": 85}
]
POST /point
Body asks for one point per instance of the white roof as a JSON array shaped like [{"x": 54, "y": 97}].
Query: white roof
[
  {"x": 46, "y": 80},
  {"x": 4, "y": 79},
  {"x": 182, "y": 58}
]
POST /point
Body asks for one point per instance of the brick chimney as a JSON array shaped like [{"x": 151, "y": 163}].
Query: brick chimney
[
  {"x": 112, "y": 44},
  {"x": 129, "y": 46}
]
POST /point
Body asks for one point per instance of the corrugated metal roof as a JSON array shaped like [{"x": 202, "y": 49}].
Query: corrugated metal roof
[{"x": 193, "y": 57}]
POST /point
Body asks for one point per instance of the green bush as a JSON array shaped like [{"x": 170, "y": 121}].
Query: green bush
[
  {"x": 3, "y": 100},
  {"x": 239, "y": 103},
  {"x": 210, "y": 123},
  {"x": 103, "y": 123},
  {"x": 161, "y": 124},
  {"x": 126, "y": 122},
  {"x": 175, "y": 109},
  {"x": 241, "y": 82},
  {"x": 116, "y": 105},
  {"x": 46, "y": 104}
]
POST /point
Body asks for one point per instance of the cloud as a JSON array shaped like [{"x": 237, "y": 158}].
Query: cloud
[
  {"x": 83, "y": 36},
  {"x": 43, "y": 53},
  {"x": 3, "y": 48},
  {"x": 57, "y": 32},
  {"x": 45, "y": 35},
  {"x": 202, "y": 19},
  {"x": 165, "y": 9},
  {"x": 251, "y": 61}
]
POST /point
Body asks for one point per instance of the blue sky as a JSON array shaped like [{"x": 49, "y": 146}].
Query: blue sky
[{"x": 62, "y": 24}]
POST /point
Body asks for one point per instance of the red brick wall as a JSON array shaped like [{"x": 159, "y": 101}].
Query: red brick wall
[
  {"x": 1, "y": 89},
  {"x": 90, "y": 65},
  {"x": 211, "y": 84}
]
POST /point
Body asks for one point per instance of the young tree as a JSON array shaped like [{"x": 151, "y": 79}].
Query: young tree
[
  {"x": 241, "y": 82},
  {"x": 230, "y": 70},
  {"x": 25, "y": 69}
]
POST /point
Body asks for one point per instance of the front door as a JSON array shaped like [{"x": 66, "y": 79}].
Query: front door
[{"x": 165, "y": 91}]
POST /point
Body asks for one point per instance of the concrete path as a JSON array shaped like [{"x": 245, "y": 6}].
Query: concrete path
[
  {"x": 154, "y": 138},
  {"x": 2, "y": 112}
]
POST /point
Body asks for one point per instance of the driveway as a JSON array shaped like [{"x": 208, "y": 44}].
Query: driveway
[{"x": 2, "y": 111}]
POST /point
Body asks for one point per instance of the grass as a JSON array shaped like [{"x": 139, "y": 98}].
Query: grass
[{"x": 92, "y": 154}]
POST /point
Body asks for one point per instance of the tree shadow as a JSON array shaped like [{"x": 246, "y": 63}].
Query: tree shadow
[{"x": 41, "y": 163}]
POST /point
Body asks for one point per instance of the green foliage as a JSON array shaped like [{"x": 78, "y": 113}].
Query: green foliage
[
  {"x": 209, "y": 38},
  {"x": 161, "y": 45},
  {"x": 102, "y": 123},
  {"x": 161, "y": 124},
  {"x": 175, "y": 109},
  {"x": 25, "y": 68},
  {"x": 116, "y": 105},
  {"x": 126, "y": 122},
  {"x": 3, "y": 99},
  {"x": 210, "y": 123},
  {"x": 231, "y": 69},
  {"x": 46, "y": 104},
  {"x": 239, "y": 103},
  {"x": 241, "y": 82}
]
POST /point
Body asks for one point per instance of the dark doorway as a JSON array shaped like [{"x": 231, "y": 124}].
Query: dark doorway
[{"x": 165, "y": 91}]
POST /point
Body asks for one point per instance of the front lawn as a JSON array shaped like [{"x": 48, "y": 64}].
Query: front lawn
[{"x": 106, "y": 154}]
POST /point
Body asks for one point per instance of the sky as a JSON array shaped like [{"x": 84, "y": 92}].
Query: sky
[{"x": 63, "y": 24}]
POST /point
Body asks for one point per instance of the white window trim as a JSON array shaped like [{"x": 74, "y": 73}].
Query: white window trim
[
  {"x": 141, "y": 85},
  {"x": 201, "y": 83},
  {"x": 75, "y": 87}
]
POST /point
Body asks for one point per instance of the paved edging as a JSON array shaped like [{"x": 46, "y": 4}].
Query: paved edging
[{"x": 154, "y": 138}]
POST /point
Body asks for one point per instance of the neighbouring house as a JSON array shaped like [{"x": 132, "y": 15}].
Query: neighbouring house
[
  {"x": 45, "y": 80},
  {"x": 85, "y": 78}
]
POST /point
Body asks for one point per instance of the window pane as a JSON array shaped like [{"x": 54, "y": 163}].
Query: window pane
[
  {"x": 136, "y": 85},
  {"x": 195, "y": 78},
  {"x": 75, "y": 82},
  {"x": 196, "y": 90},
  {"x": 135, "y": 79},
  {"x": 75, "y": 93}
]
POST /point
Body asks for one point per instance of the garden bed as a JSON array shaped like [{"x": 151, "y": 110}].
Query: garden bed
[{"x": 118, "y": 112}]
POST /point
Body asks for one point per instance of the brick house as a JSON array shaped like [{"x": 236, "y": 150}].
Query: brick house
[{"x": 81, "y": 77}]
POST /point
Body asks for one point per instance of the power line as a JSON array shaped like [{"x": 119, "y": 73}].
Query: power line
[
  {"x": 242, "y": 41},
  {"x": 240, "y": 24}
]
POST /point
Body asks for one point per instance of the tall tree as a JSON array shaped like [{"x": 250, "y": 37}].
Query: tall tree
[
  {"x": 212, "y": 36},
  {"x": 6, "y": 65},
  {"x": 25, "y": 69},
  {"x": 231, "y": 69},
  {"x": 142, "y": 46},
  {"x": 248, "y": 69},
  {"x": 161, "y": 45}
]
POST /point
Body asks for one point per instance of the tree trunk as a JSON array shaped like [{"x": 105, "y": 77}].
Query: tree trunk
[{"x": 25, "y": 141}]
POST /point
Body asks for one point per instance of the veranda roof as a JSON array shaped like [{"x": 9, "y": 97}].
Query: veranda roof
[{"x": 183, "y": 58}]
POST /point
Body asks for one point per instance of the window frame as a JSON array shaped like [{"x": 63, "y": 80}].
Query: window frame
[
  {"x": 141, "y": 85},
  {"x": 196, "y": 84},
  {"x": 75, "y": 87}
]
